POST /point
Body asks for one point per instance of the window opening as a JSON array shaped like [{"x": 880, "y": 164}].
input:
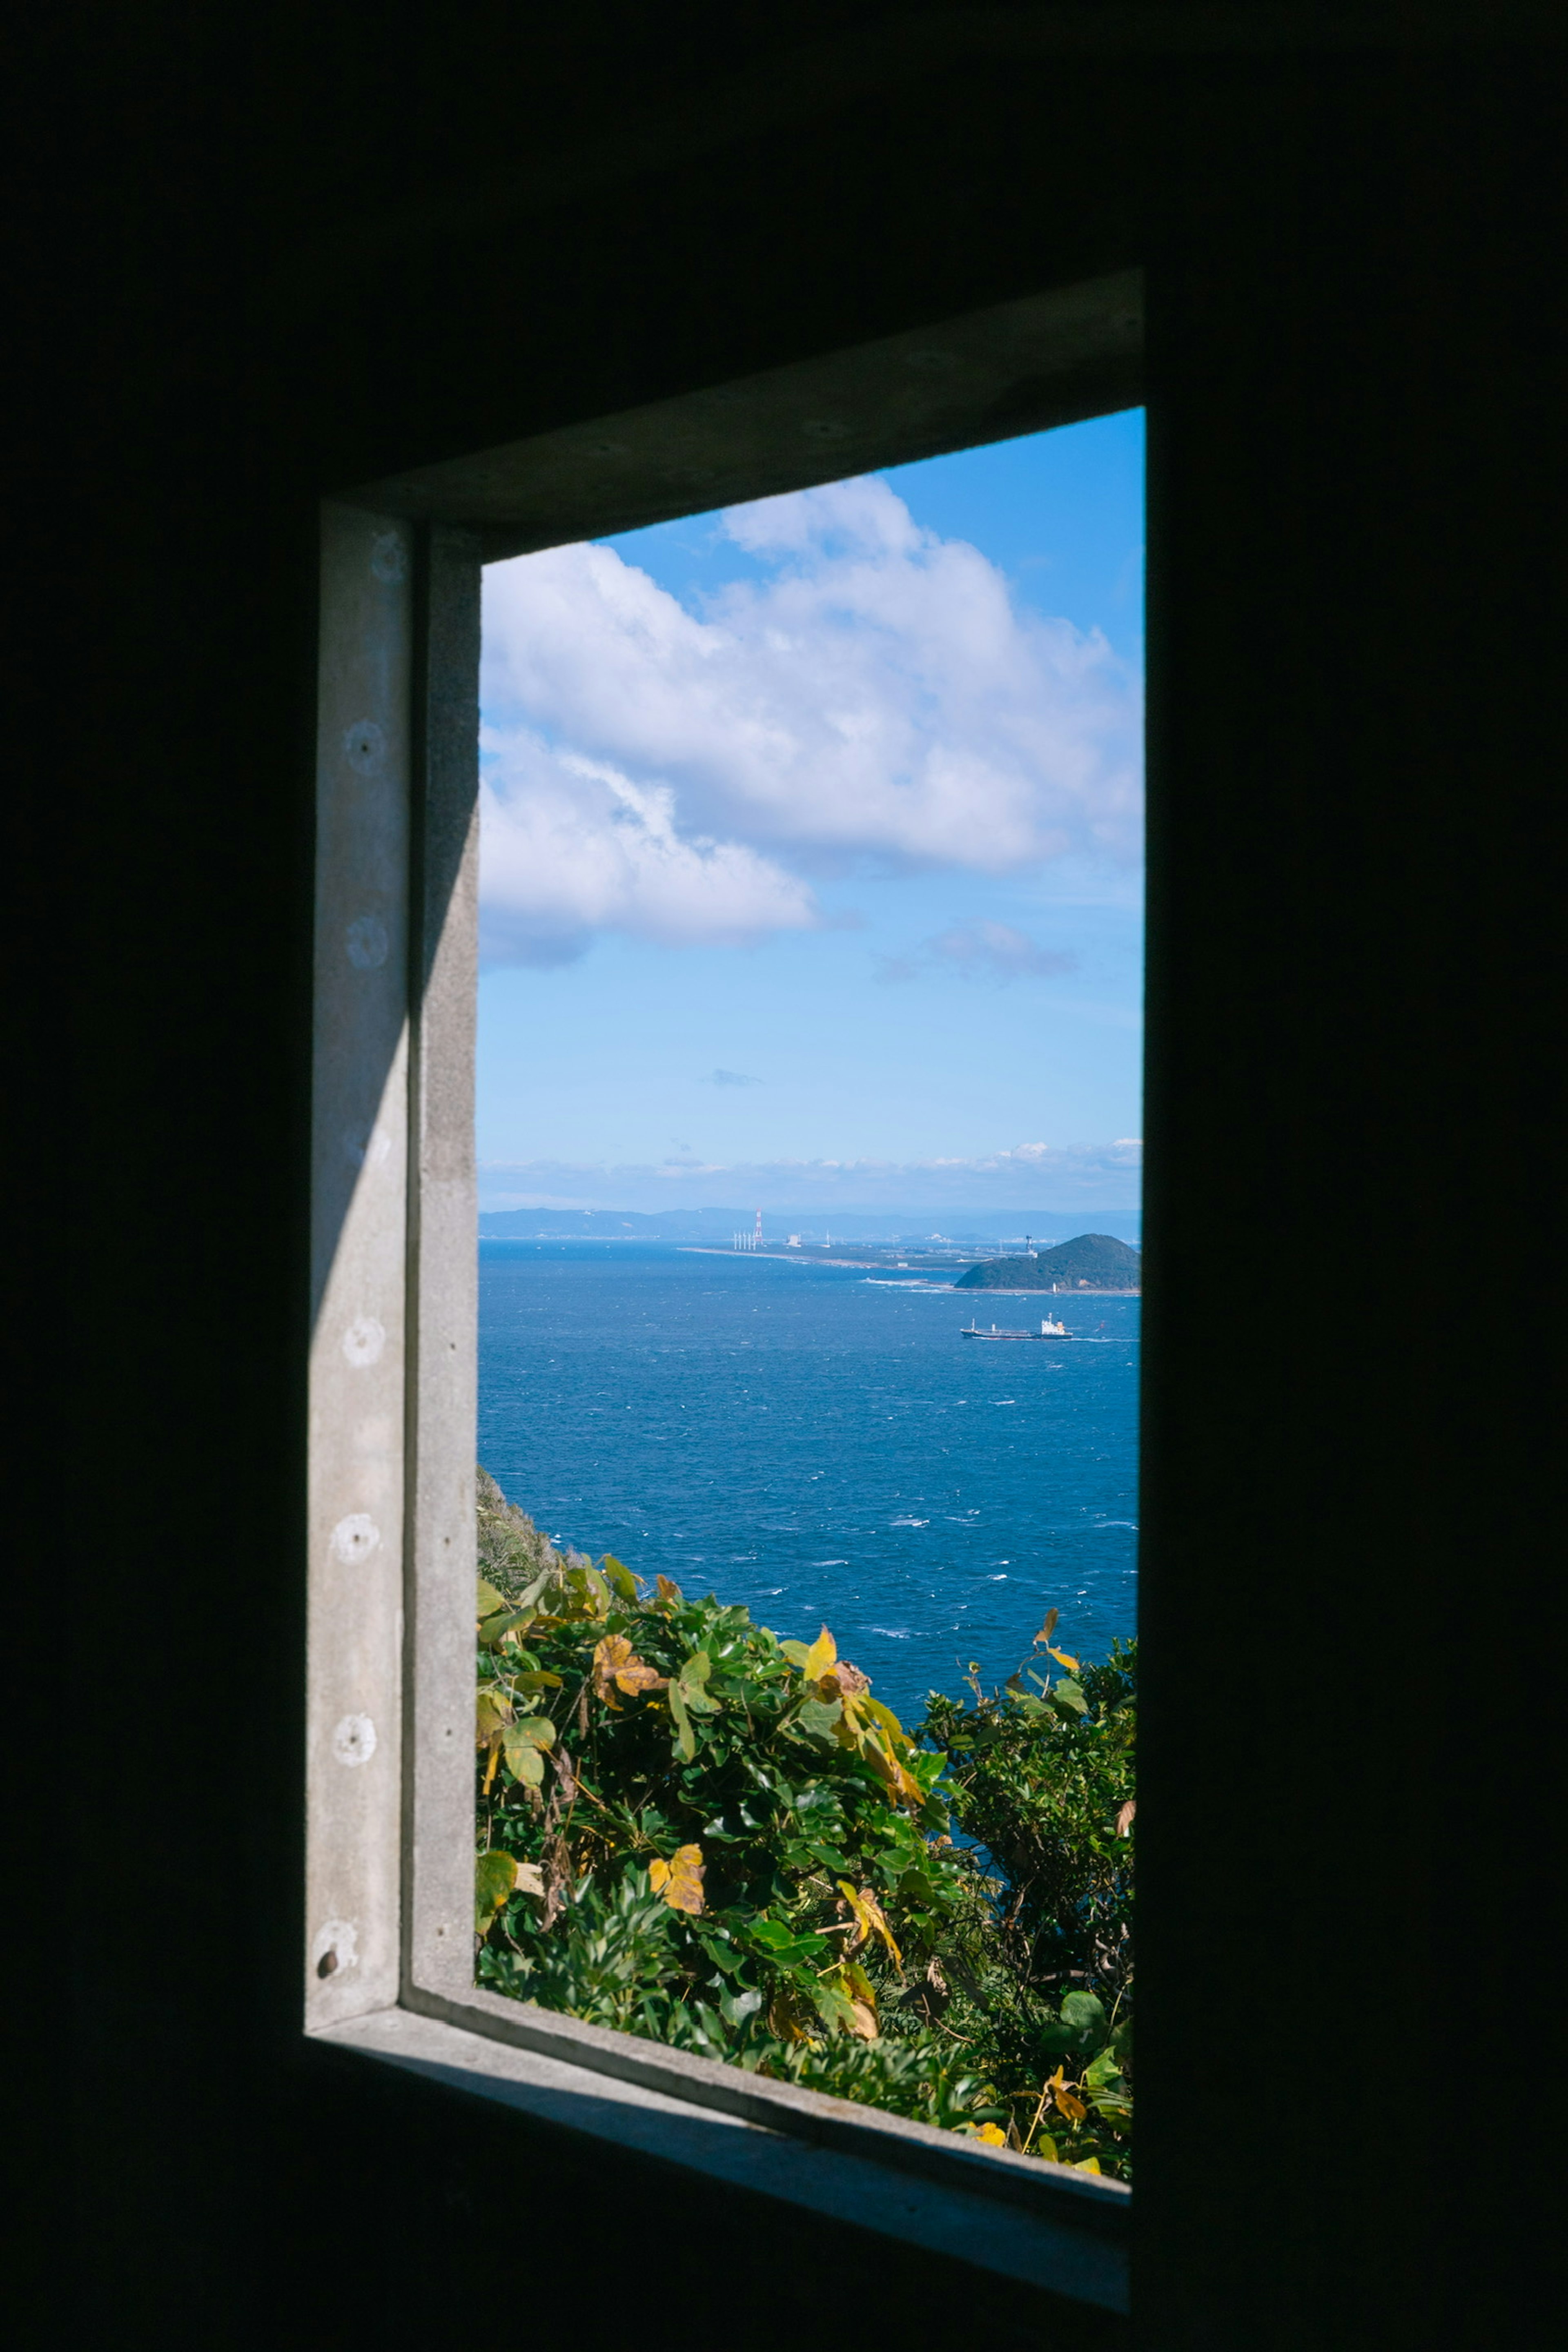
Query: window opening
[{"x": 808, "y": 1092}]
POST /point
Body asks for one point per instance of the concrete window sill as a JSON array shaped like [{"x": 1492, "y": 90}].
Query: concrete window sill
[{"x": 1051, "y": 2229}]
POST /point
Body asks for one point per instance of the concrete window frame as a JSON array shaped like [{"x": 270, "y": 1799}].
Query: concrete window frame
[{"x": 388, "y": 1970}]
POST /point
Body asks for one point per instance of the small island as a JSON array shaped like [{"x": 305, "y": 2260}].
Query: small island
[{"x": 1091, "y": 1262}]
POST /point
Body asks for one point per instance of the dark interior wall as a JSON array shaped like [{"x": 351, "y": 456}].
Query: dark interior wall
[
  {"x": 1350, "y": 1408},
  {"x": 274, "y": 253}
]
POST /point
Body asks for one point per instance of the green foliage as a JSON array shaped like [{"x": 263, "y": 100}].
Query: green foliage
[
  {"x": 1097, "y": 1261},
  {"x": 1044, "y": 1778},
  {"x": 691, "y": 1831}
]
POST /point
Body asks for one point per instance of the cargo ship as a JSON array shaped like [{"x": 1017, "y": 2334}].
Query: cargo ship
[{"x": 1047, "y": 1330}]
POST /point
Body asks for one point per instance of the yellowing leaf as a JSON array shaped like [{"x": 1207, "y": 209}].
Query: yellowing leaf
[
  {"x": 787, "y": 2016},
  {"x": 819, "y": 1658},
  {"x": 1062, "y": 2097},
  {"x": 489, "y": 1600},
  {"x": 1090, "y": 2164},
  {"x": 1063, "y": 1659},
  {"x": 679, "y": 1881},
  {"x": 616, "y": 1666},
  {"x": 492, "y": 1712},
  {"x": 495, "y": 1877},
  {"x": 858, "y": 1996},
  {"x": 989, "y": 2134},
  {"x": 903, "y": 1786},
  {"x": 669, "y": 1595},
  {"x": 869, "y": 1920}
]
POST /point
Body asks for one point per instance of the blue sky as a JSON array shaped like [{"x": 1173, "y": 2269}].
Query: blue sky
[{"x": 812, "y": 852}]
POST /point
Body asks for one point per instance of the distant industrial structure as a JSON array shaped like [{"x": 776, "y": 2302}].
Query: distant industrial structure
[{"x": 751, "y": 1241}]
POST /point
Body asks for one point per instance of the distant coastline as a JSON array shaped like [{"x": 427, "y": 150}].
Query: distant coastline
[
  {"x": 1091, "y": 1265},
  {"x": 803, "y": 1256}
]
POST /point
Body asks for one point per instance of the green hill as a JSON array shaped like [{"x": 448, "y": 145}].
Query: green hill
[{"x": 1092, "y": 1262}]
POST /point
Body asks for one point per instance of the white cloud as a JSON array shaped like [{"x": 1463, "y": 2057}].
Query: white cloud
[
  {"x": 983, "y": 950},
  {"x": 572, "y": 846},
  {"x": 877, "y": 695},
  {"x": 1036, "y": 1175}
]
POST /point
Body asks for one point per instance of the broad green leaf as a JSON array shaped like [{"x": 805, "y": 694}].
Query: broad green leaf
[
  {"x": 835, "y": 2007},
  {"x": 510, "y": 1620},
  {"x": 618, "y": 1576},
  {"x": 1084, "y": 2014},
  {"x": 1068, "y": 1694},
  {"x": 528, "y": 1597},
  {"x": 786, "y": 1946},
  {"x": 521, "y": 1745},
  {"x": 693, "y": 1680},
  {"x": 1103, "y": 2071},
  {"x": 489, "y": 1600},
  {"x": 818, "y": 1719},
  {"x": 685, "y": 1738}
]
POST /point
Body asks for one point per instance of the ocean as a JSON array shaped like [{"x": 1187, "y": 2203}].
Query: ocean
[{"x": 822, "y": 1446}]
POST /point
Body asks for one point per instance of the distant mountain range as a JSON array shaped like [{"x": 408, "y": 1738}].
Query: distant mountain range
[
  {"x": 1090, "y": 1262},
  {"x": 965, "y": 1225}
]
